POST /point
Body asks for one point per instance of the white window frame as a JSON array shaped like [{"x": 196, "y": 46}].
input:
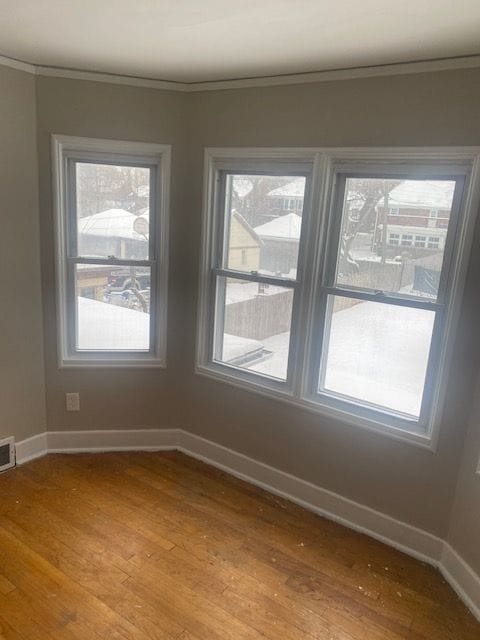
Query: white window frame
[
  {"x": 156, "y": 156},
  {"x": 326, "y": 164}
]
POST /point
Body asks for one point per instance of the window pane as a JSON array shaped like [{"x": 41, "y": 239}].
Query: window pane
[
  {"x": 113, "y": 307},
  {"x": 252, "y": 329},
  {"x": 377, "y": 353},
  {"x": 112, "y": 210},
  {"x": 263, "y": 223},
  {"x": 385, "y": 224}
]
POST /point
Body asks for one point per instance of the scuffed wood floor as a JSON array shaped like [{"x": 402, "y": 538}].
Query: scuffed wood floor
[{"x": 160, "y": 546}]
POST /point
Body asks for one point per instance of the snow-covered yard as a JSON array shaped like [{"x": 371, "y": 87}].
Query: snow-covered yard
[
  {"x": 103, "y": 326},
  {"x": 377, "y": 352}
]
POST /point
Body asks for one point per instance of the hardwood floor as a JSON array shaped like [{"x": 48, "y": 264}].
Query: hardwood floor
[{"x": 161, "y": 546}]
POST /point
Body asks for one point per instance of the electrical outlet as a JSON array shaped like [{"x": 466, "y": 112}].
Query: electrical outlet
[{"x": 72, "y": 401}]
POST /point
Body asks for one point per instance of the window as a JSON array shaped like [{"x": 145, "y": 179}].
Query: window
[
  {"x": 394, "y": 239},
  {"x": 407, "y": 240},
  {"x": 326, "y": 314},
  {"x": 433, "y": 242},
  {"x": 394, "y": 211},
  {"x": 111, "y": 220}
]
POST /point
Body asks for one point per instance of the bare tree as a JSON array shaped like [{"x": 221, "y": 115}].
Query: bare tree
[{"x": 361, "y": 211}]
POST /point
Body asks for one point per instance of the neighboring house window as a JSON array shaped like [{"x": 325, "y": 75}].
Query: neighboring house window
[
  {"x": 407, "y": 240},
  {"x": 111, "y": 246},
  {"x": 394, "y": 211},
  {"x": 328, "y": 319},
  {"x": 433, "y": 242},
  {"x": 290, "y": 204},
  {"x": 434, "y": 213}
]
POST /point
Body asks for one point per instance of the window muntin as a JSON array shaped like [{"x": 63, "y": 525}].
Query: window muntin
[
  {"x": 111, "y": 251},
  {"x": 311, "y": 380}
]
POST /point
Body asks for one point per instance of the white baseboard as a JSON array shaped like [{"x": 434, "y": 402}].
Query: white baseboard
[
  {"x": 31, "y": 448},
  {"x": 411, "y": 540},
  {"x": 415, "y": 542},
  {"x": 461, "y": 578},
  {"x": 112, "y": 440}
]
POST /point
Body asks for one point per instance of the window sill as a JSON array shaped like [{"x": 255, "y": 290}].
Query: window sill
[
  {"x": 120, "y": 363},
  {"x": 417, "y": 438}
]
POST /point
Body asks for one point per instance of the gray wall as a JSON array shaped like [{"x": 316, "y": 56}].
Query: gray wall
[
  {"x": 464, "y": 535},
  {"x": 414, "y": 485},
  {"x": 396, "y": 478},
  {"x": 110, "y": 398},
  {"x": 22, "y": 389}
]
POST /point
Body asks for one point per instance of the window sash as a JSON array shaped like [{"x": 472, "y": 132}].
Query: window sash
[
  {"x": 328, "y": 287},
  {"x": 219, "y": 260}
]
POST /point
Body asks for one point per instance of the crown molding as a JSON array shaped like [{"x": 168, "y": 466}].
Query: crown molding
[
  {"x": 111, "y": 78},
  {"x": 401, "y": 68},
  {"x": 19, "y": 65}
]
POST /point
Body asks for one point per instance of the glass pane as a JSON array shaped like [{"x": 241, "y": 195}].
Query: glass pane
[
  {"x": 393, "y": 234},
  {"x": 113, "y": 307},
  {"x": 252, "y": 329},
  {"x": 263, "y": 223},
  {"x": 377, "y": 353},
  {"x": 112, "y": 211}
]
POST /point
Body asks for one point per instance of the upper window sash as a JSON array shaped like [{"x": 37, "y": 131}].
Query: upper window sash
[
  {"x": 72, "y": 162},
  {"x": 418, "y": 172}
]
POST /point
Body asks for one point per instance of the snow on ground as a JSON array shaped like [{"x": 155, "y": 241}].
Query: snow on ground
[
  {"x": 103, "y": 326},
  {"x": 236, "y": 347},
  {"x": 377, "y": 353},
  {"x": 276, "y": 364}
]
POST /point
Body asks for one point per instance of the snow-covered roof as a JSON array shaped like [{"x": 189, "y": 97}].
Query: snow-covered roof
[
  {"x": 294, "y": 189},
  {"x": 113, "y": 223},
  {"x": 111, "y": 327},
  {"x": 286, "y": 227},
  {"x": 422, "y": 194}
]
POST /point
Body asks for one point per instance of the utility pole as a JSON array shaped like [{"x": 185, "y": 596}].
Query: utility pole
[{"x": 385, "y": 219}]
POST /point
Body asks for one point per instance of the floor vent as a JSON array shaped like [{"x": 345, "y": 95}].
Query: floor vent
[{"x": 7, "y": 453}]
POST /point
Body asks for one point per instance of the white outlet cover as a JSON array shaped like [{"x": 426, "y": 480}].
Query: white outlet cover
[{"x": 72, "y": 401}]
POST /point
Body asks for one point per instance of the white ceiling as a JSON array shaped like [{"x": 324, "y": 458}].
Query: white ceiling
[{"x": 193, "y": 40}]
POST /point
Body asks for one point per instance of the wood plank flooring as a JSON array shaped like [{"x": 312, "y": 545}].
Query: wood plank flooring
[{"x": 160, "y": 546}]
